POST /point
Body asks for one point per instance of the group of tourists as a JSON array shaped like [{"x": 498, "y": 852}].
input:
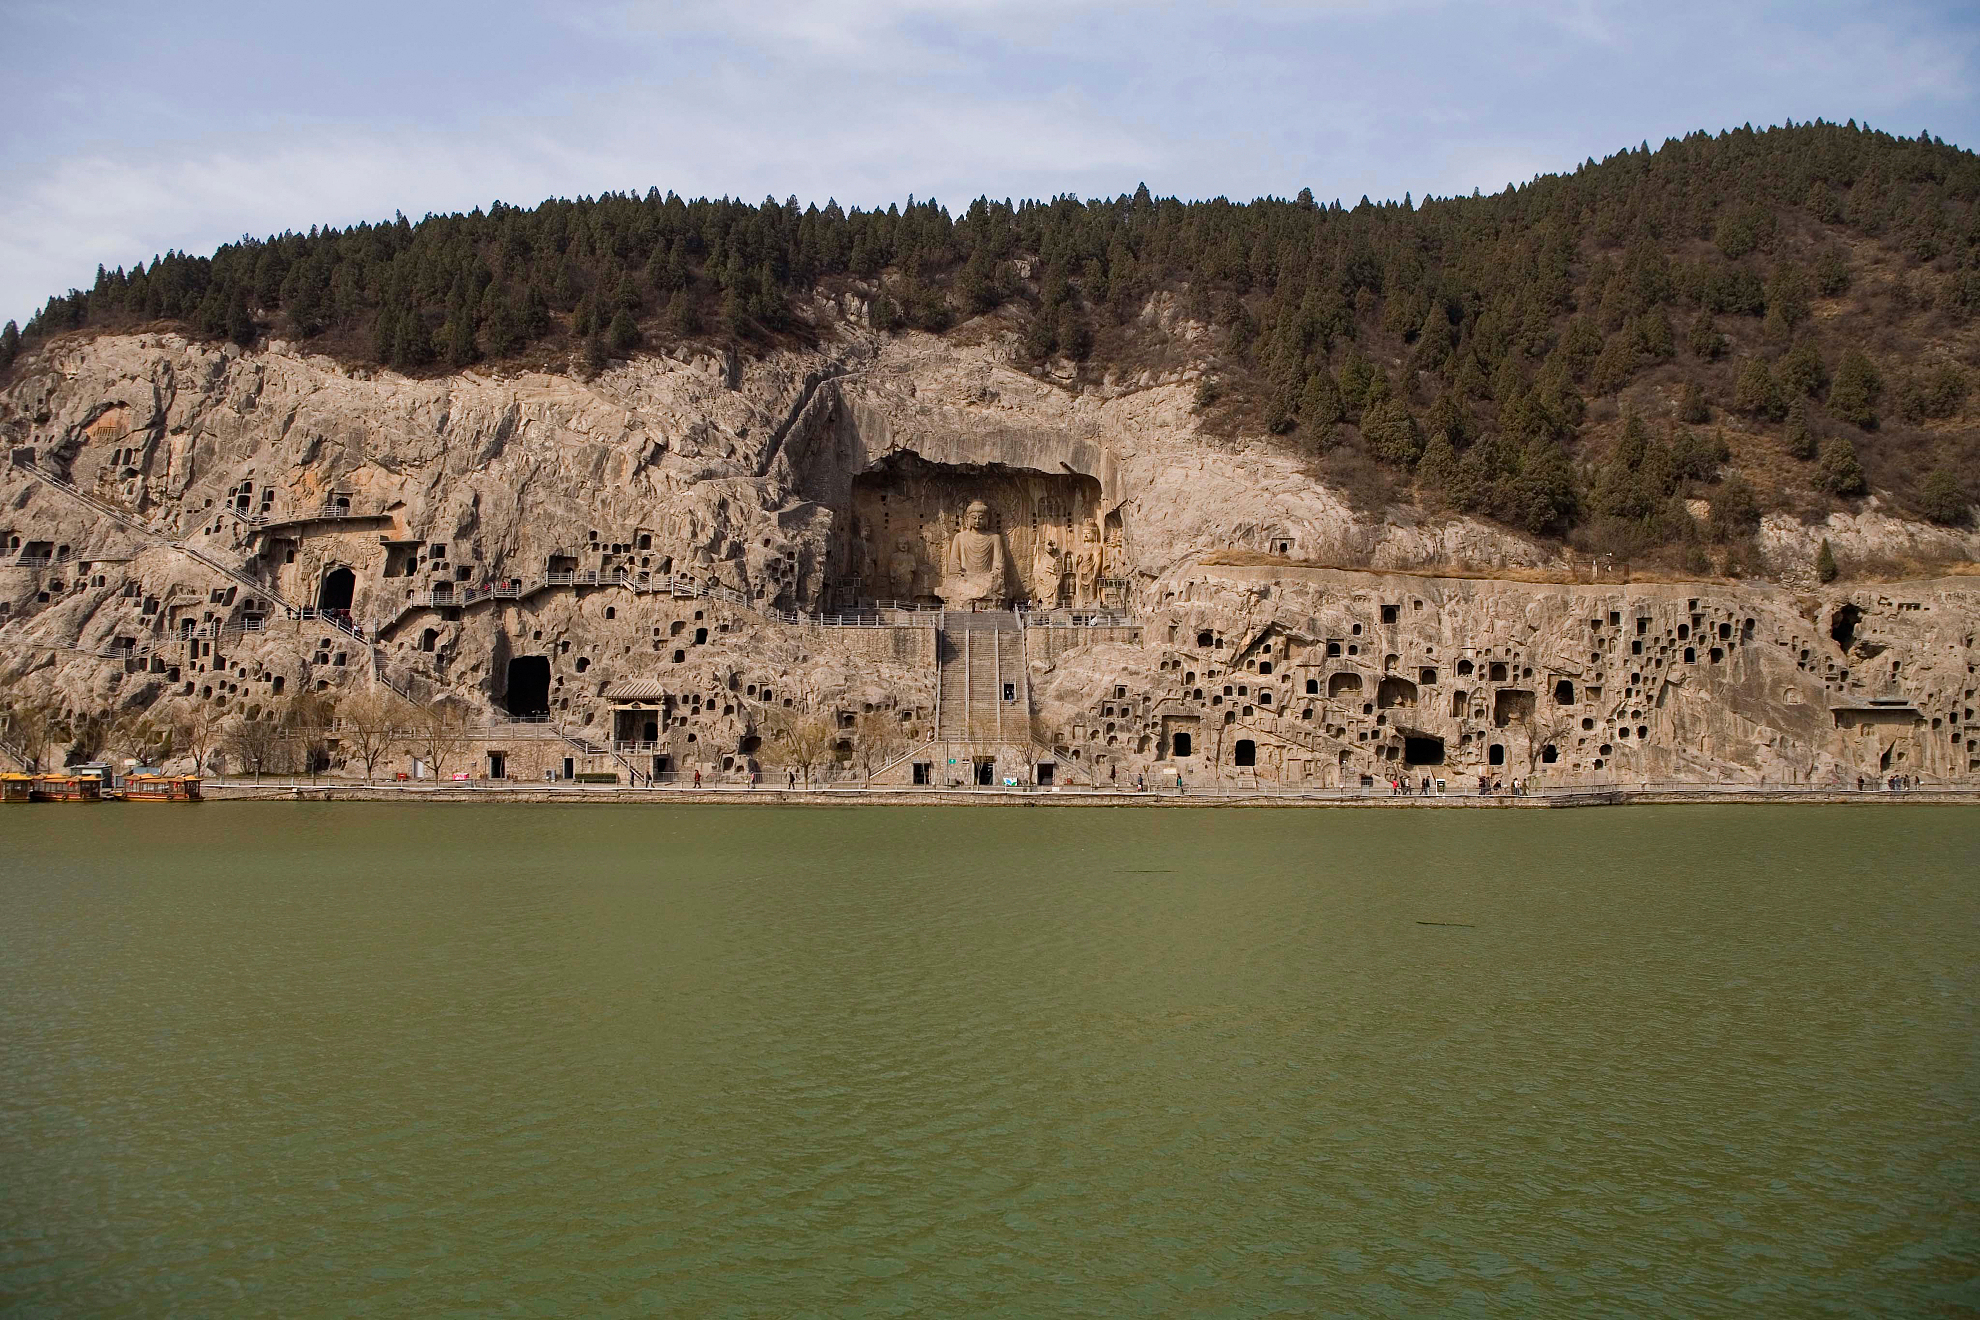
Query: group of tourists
[
  {"x": 1488, "y": 787},
  {"x": 1892, "y": 783}
]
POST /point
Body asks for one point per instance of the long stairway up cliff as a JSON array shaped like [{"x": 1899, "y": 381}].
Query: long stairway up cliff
[{"x": 981, "y": 661}]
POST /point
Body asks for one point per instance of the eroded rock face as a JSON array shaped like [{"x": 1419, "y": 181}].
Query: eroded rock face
[
  {"x": 1339, "y": 679},
  {"x": 479, "y": 531}
]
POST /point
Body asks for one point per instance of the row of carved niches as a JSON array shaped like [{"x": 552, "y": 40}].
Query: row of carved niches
[{"x": 1043, "y": 537}]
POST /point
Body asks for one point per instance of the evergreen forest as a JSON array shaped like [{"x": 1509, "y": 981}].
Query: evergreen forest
[{"x": 1758, "y": 319}]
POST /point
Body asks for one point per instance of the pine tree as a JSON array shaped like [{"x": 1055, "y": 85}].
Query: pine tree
[
  {"x": 1354, "y": 378},
  {"x": 1392, "y": 434},
  {"x": 1692, "y": 408},
  {"x": 502, "y": 326},
  {"x": 1615, "y": 366},
  {"x": 1735, "y": 510},
  {"x": 1437, "y": 470},
  {"x": 1757, "y": 393},
  {"x": 1075, "y": 334},
  {"x": 1787, "y": 298},
  {"x": 240, "y": 324},
  {"x": 683, "y": 315},
  {"x": 1801, "y": 371},
  {"x": 1825, "y": 563},
  {"x": 1831, "y": 273},
  {"x": 385, "y": 334},
  {"x": 1619, "y": 490},
  {"x": 413, "y": 345},
  {"x": 1704, "y": 339},
  {"x": 1540, "y": 497},
  {"x": 1320, "y": 403},
  {"x": 1941, "y": 499},
  {"x": 1800, "y": 439},
  {"x": 10, "y": 344},
  {"x": 458, "y": 334},
  {"x": 533, "y": 321},
  {"x": 1840, "y": 473},
  {"x": 1695, "y": 458},
  {"x": 623, "y": 334},
  {"x": 1853, "y": 397}
]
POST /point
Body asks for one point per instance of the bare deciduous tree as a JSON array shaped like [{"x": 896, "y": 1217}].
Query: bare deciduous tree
[
  {"x": 1547, "y": 730},
  {"x": 197, "y": 728},
  {"x": 802, "y": 741},
  {"x": 145, "y": 736},
  {"x": 440, "y": 736},
  {"x": 370, "y": 724},
  {"x": 256, "y": 744},
  {"x": 90, "y": 735},
  {"x": 878, "y": 740},
  {"x": 306, "y": 722},
  {"x": 31, "y": 726}
]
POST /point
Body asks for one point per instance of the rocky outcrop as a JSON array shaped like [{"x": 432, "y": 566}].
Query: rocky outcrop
[{"x": 191, "y": 525}]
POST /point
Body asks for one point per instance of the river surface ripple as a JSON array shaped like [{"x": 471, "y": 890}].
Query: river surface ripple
[{"x": 383, "y": 1059}]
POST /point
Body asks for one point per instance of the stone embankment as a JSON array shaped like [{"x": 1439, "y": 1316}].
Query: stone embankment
[{"x": 1029, "y": 796}]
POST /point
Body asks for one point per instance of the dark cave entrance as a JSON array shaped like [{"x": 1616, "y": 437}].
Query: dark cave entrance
[
  {"x": 1842, "y": 625},
  {"x": 528, "y": 691},
  {"x": 339, "y": 585},
  {"x": 1422, "y": 749}
]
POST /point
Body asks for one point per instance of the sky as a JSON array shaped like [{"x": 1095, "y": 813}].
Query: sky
[{"x": 133, "y": 128}]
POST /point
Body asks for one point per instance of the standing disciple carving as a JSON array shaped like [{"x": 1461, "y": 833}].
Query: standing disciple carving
[
  {"x": 906, "y": 566},
  {"x": 1048, "y": 574},
  {"x": 975, "y": 570}
]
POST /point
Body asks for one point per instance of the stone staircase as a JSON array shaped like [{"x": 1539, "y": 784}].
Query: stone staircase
[{"x": 980, "y": 659}]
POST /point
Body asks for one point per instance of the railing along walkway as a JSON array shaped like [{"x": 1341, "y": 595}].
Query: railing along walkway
[
  {"x": 884, "y": 614},
  {"x": 681, "y": 783}
]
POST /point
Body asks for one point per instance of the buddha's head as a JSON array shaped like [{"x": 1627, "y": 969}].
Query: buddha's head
[{"x": 977, "y": 516}]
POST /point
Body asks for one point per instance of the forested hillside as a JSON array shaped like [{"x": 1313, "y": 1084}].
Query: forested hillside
[{"x": 1764, "y": 319}]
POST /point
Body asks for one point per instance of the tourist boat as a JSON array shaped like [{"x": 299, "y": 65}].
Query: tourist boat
[
  {"x": 69, "y": 786},
  {"x": 16, "y": 788},
  {"x": 161, "y": 788}
]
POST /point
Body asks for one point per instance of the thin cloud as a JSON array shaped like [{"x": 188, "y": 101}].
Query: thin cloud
[{"x": 870, "y": 100}]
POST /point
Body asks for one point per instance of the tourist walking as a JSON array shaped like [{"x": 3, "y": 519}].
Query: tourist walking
[{"x": 697, "y": 779}]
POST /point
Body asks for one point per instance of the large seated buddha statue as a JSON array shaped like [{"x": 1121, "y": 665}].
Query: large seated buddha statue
[{"x": 975, "y": 568}]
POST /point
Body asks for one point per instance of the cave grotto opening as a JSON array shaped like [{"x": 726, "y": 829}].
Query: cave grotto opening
[{"x": 528, "y": 689}]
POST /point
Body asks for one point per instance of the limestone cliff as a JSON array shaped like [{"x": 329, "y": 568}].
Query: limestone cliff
[{"x": 196, "y": 525}]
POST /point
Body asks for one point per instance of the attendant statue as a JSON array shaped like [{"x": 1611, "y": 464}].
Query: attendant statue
[
  {"x": 906, "y": 569},
  {"x": 1087, "y": 565},
  {"x": 975, "y": 571},
  {"x": 865, "y": 559},
  {"x": 1048, "y": 575}
]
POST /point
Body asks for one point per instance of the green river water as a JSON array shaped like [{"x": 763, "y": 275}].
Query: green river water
[{"x": 378, "y": 1059}]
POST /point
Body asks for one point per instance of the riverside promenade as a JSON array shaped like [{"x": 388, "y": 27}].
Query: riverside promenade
[{"x": 504, "y": 791}]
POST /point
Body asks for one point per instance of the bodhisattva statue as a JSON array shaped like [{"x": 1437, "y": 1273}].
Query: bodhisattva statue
[
  {"x": 975, "y": 571},
  {"x": 1048, "y": 575},
  {"x": 1088, "y": 565}
]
